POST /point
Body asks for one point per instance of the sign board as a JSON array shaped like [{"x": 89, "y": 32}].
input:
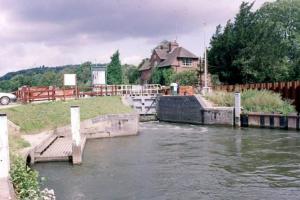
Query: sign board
[
  {"x": 69, "y": 79},
  {"x": 99, "y": 75}
]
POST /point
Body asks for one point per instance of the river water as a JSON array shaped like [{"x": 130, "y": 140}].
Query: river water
[{"x": 171, "y": 161}]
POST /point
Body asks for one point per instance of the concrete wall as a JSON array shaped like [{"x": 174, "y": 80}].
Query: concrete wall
[
  {"x": 265, "y": 120},
  {"x": 111, "y": 126},
  {"x": 219, "y": 115},
  {"x": 189, "y": 109},
  {"x": 99, "y": 127},
  {"x": 104, "y": 126}
]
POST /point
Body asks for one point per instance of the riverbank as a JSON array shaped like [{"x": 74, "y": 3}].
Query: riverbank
[
  {"x": 34, "y": 118},
  {"x": 28, "y": 120},
  {"x": 253, "y": 101}
]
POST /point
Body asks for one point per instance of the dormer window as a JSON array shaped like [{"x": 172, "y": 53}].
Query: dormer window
[{"x": 187, "y": 61}]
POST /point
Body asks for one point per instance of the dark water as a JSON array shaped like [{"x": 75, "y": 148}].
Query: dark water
[{"x": 171, "y": 161}]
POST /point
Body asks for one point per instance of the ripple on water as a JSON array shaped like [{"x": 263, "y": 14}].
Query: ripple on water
[{"x": 171, "y": 161}]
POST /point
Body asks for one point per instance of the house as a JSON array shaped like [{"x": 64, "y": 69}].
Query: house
[{"x": 168, "y": 55}]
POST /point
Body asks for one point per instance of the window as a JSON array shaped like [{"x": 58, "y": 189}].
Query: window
[{"x": 187, "y": 61}]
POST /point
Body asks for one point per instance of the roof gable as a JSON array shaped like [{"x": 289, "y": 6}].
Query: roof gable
[
  {"x": 178, "y": 52},
  {"x": 145, "y": 65}
]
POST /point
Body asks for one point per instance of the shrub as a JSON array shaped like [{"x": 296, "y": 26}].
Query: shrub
[
  {"x": 186, "y": 78},
  {"x": 25, "y": 180},
  {"x": 254, "y": 101},
  {"x": 162, "y": 76}
]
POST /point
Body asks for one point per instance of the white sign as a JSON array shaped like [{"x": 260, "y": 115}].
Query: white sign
[
  {"x": 99, "y": 78},
  {"x": 70, "y": 79}
]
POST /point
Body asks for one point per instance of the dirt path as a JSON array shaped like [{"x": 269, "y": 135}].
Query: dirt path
[{"x": 9, "y": 106}]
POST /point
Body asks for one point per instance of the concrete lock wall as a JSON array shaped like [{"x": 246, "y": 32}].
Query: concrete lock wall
[
  {"x": 111, "y": 125},
  {"x": 220, "y": 116},
  {"x": 105, "y": 126},
  {"x": 188, "y": 109},
  {"x": 180, "y": 109}
]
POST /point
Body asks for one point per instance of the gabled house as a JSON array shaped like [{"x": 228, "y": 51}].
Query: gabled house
[{"x": 168, "y": 55}]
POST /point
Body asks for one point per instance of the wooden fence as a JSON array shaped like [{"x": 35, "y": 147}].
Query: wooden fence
[
  {"x": 288, "y": 90},
  {"x": 27, "y": 94}
]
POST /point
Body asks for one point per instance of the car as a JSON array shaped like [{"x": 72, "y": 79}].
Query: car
[{"x": 6, "y": 98}]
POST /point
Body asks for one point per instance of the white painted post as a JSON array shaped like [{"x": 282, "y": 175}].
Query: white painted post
[
  {"x": 237, "y": 108},
  {"x": 205, "y": 89},
  {"x": 205, "y": 68},
  {"x": 4, "y": 148},
  {"x": 76, "y": 138}
]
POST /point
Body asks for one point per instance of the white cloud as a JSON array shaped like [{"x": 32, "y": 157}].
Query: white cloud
[{"x": 52, "y": 33}]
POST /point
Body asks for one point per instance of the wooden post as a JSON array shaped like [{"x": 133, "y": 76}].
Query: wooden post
[
  {"x": 64, "y": 93},
  {"x": 4, "y": 148},
  {"x": 76, "y": 138}
]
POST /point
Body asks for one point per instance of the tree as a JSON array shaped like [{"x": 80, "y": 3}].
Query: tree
[
  {"x": 50, "y": 78},
  {"x": 156, "y": 76},
  {"x": 162, "y": 76},
  {"x": 114, "y": 70},
  {"x": 83, "y": 74},
  {"x": 130, "y": 74},
  {"x": 260, "y": 46}
]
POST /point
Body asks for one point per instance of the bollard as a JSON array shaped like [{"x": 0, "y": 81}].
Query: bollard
[
  {"x": 4, "y": 148},
  {"x": 76, "y": 138},
  {"x": 237, "y": 108}
]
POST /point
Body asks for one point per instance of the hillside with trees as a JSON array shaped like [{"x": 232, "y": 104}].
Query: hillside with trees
[
  {"x": 258, "y": 46},
  {"x": 46, "y": 76}
]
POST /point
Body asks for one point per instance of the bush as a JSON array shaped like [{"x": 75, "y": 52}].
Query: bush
[
  {"x": 254, "y": 101},
  {"x": 25, "y": 180},
  {"x": 221, "y": 98},
  {"x": 186, "y": 78},
  {"x": 162, "y": 76}
]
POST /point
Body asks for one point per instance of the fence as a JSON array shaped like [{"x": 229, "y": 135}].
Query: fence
[
  {"x": 288, "y": 90},
  {"x": 27, "y": 94},
  {"x": 183, "y": 91}
]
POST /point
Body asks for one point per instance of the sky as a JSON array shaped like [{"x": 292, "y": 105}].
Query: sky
[{"x": 60, "y": 32}]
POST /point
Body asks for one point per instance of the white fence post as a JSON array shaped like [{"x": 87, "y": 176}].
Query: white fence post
[
  {"x": 4, "y": 147},
  {"x": 237, "y": 108},
  {"x": 76, "y": 137}
]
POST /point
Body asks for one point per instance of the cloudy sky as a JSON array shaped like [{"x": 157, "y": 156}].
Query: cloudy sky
[{"x": 59, "y": 32}]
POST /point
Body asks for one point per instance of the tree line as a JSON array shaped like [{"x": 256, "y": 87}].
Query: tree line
[
  {"x": 46, "y": 76},
  {"x": 258, "y": 46}
]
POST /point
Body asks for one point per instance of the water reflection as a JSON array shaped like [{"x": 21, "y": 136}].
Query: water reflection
[{"x": 171, "y": 161}]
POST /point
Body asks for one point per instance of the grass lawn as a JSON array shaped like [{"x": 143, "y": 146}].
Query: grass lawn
[
  {"x": 34, "y": 118},
  {"x": 254, "y": 101}
]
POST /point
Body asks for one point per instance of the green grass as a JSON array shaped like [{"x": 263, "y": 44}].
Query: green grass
[
  {"x": 254, "y": 101},
  {"x": 16, "y": 142},
  {"x": 34, "y": 118}
]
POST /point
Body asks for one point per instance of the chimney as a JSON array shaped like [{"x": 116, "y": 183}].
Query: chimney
[{"x": 173, "y": 45}]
